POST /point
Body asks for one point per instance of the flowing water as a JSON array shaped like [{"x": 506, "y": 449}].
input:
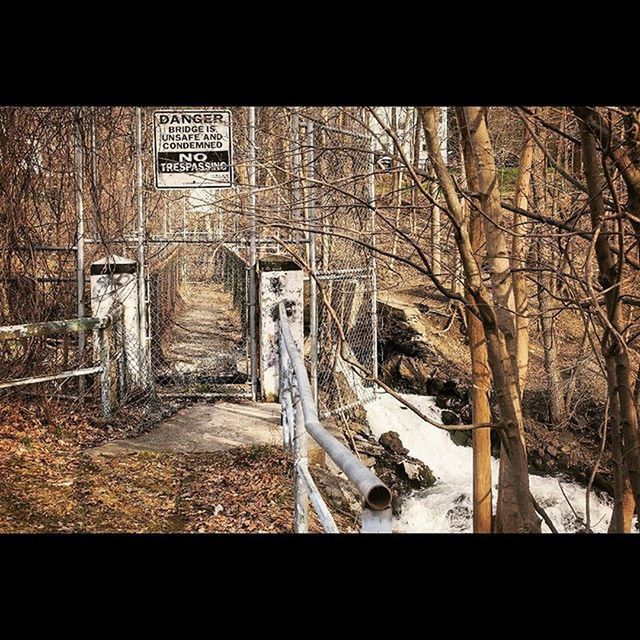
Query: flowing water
[{"x": 446, "y": 506}]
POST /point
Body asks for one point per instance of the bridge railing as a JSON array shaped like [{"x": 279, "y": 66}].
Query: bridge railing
[
  {"x": 299, "y": 419},
  {"x": 108, "y": 341}
]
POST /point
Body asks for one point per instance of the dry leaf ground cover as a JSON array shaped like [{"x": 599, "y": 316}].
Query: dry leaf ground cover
[{"x": 48, "y": 482}]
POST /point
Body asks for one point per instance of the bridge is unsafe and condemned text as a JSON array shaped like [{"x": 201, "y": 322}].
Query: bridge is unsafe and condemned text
[{"x": 192, "y": 149}]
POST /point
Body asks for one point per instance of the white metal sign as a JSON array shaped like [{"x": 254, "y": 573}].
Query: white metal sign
[{"x": 192, "y": 149}]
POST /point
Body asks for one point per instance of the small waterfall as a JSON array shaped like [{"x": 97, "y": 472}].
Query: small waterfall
[{"x": 446, "y": 507}]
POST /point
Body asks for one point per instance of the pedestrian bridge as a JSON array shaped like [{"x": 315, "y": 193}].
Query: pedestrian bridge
[{"x": 197, "y": 343}]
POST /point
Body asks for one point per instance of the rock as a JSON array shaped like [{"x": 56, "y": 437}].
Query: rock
[
  {"x": 465, "y": 414},
  {"x": 462, "y": 438},
  {"x": 460, "y": 515},
  {"x": 391, "y": 442},
  {"x": 368, "y": 446},
  {"x": 417, "y": 474},
  {"x": 552, "y": 451},
  {"x": 449, "y": 417},
  {"x": 434, "y": 386},
  {"x": 361, "y": 427},
  {"x": 401, "y": 472},
  {"x": 442, "y": 401},
  {"x": 451, "y": 387},
  {"x": 368, "y": 461},
  {"x": 336, "y": 491}
]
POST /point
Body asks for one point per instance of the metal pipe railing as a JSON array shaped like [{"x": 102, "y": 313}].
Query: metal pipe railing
[
  {"x": 376, "y": 494},
  {"x": 104, "y": 346}
]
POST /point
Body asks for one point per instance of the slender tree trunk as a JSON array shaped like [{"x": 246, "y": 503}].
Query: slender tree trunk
[
  {"x": 436, "y": 239},
  {"x": 519, "y": 510},
  {"x": 514, "y": 511},
  {"x": 518, "y": 258},
  {"x": 396, "y": 194},
  {"x": 480, "y": 373},
  {"x": 615, "y": 351},
  {"x": 546, "y": 288}
]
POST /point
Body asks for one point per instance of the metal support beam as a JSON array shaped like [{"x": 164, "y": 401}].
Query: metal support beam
[
  {"x": 76, "y": 373},
  {"x": 297, "y": 161},
  {"x": 319, "y": 505},
  {"x": 141, "y": 233},
  {"x": 374, "y": 278},
  {"x": 53, "y": 327},
  {"x": 375, "y": 492},
  {"x": 313, "y": 291},
  {"x": 253, "y": 289},
  {"x": 105, "y": 374},
  {"x": 300, "y": 490},
  {"x": 79, "y": 184}
]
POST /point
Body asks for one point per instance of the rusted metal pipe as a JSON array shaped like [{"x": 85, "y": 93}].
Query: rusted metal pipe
[
  {"x": 20, "y": 382},
  {"x": 375, "y": 492},
  {"x": 53, "y": 327}
]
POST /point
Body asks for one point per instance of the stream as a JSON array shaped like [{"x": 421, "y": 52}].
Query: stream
[{"x": 446, "y": 506}]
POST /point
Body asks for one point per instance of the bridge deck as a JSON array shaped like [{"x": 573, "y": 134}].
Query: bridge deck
[
  {"x": 207, "y": 427},
  {"x": 204, "y": 343}
]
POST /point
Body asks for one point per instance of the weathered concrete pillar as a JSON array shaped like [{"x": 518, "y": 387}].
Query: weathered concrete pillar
[
  {"x": 114, "y": 280},
  {"x": 279, "y": 278}
]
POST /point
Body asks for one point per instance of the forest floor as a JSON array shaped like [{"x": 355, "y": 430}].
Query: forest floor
[{"x": 50, "y": 483}]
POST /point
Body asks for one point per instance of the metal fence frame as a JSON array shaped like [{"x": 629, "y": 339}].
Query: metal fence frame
[{"x": 109, "y": 345}]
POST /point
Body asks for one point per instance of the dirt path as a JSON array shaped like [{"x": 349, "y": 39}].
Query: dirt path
[
  {"x": 54, "y": 479},
  {"x": 205, "y": 338}
]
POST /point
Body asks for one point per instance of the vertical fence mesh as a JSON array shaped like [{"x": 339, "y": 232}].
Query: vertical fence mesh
[{"x": 344, "y": 265}]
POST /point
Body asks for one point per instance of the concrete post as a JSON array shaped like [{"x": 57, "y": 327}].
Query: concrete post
[
  {"x": 280, "y": 279},
  {"x": 114, "y": 280}
]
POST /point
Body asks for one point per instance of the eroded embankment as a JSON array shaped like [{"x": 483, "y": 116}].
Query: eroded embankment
[{"x": 425, "y": 353}]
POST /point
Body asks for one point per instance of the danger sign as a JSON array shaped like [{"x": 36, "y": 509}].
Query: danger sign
[{"x": 192, "y": 149}]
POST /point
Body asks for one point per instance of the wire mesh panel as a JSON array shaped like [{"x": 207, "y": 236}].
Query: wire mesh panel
[
  {"x": 345, "y": 266},
  {"x": 197, "y": 317}
]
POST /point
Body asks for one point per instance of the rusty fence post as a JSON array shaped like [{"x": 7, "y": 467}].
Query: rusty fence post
[
  {"x": 120, "y": 356},
  {"x": 301, "y": 494},
  {"x": 105, "y": 377}
]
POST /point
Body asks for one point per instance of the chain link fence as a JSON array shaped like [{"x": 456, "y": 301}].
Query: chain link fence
[
  {"x": 197, "y": 305},
  {"x": 191, "y": 246},
  {"x": 342, "y": 165}
]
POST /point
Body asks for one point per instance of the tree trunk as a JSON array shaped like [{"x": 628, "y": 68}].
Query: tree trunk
[
  {"x": 614, "y": 351},
  {"x": 480, "y": 374},
  {"x": 518, "y": 258},
  {"x": 518, "y": 509},
  {"x": 555, "y": 387},
  {"x": 436, "y": 236},
  {"x": 515, "y": 510}
]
